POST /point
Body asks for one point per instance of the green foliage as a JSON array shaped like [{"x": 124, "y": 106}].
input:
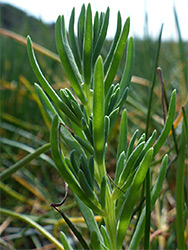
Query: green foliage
[{"x": 83, "y": 119}]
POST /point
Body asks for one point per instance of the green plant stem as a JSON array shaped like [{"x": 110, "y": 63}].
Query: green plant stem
[
  {"x": 148, "y": 189},
  {"x": 153, "y": 82},
  {"x": 32, "y": 223},
  {"x": 181, "y": 49},
  {"x": 180, "y": 193},
  {"x": 23, "y": 162},
  {"x": 109, "y": 218},
  {"x": 148, "y": 210}
]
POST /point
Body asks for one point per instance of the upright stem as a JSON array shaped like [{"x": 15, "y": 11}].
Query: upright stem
[
  {"x": 109, "y": 219},
  {"x": 148, "y": 176},
  {"x": 148, "y": 210},
  {"x": 180, "y": 193}
]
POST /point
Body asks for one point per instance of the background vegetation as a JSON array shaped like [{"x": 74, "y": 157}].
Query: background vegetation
[{"x": 24, "y": 127}]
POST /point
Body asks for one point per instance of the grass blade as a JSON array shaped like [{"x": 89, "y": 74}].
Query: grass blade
[
  {"x": 26, "y": 148},
  {"x": 148, "y": 210},
  {"x": 180, "y": 176},
  {"x": 11, "y": 192},
  {"x": 32, "y": 223},
  {"x": 24, "y": 161},
  {"x": 153, "y": 81},
  {"x": 73, "y": 229}
]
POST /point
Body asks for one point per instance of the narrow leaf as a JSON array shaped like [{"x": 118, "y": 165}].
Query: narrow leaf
[
  {"x": 24, "y": 161},
  {"x": 88, "y": 38},
  {"x": 112, "y": 48},
  {"x": 85, "y": 145},
  {"x": 122, "y": 144},
  {"x": 36, "y": 69},
  {"x": 117, "y": 55},
  {"x": 128, "y": 70},
  {"x": 105, "y": 237},
  {"x": 80, "y": 28},
  {"x": 154, "y": 196},
  {"x": 106, "y": 127},
  {"x": 98, "y": 111},
  {"x": 85, "y": 185},
  {"x": 72, "y": 40},
  {"x": 103, "y": 192},
  {"x": 119, "y": 166},
  {"x": 95, "y": 242},
  {"x": 33, "y": 224},
  {"x": 101, "y": 36},
  {"x": 65, "y": 241},
  {"x": 89, "y": 217},
  {"x": 51, "y": 110},
  {"x": 65, "y": 172},
  {"x": 96, "y": 27},
  {"x": 127, "y": 207},
  {"x": 168, "y": 123},
  {"x": 74, "y": 230},
  {"x": 68, "y": 60},
  {"x": 130, "y": 162},
  {"x": 131, "y": 144},
  {"x": 85, "y": 168}
]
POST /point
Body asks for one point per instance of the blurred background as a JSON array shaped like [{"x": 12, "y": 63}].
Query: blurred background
[{"x": 146, "y": 15}]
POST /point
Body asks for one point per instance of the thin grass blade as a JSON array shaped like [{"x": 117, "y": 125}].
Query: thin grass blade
[
  {"x": 24, "y": 161},
  {"x": 32, "y": 223}
]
